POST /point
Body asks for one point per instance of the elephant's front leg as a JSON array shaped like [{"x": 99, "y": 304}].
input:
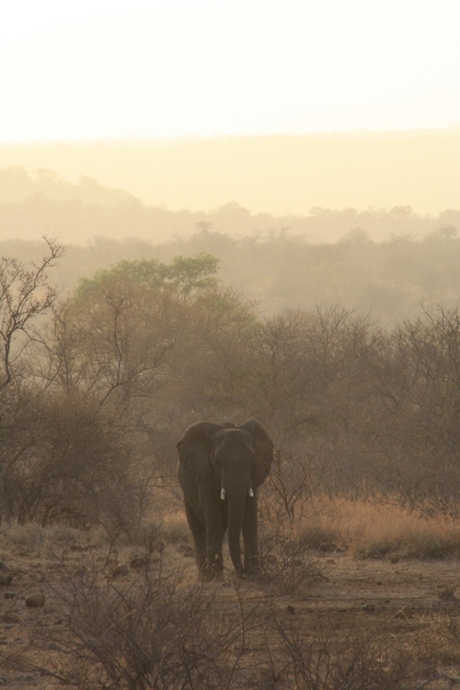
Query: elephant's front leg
[
  {"x": 250, "y": 536},
  {"x": 199, "y": 537},
  {"x": 215, "y": 530}
]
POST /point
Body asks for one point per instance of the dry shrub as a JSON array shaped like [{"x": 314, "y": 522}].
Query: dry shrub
[
  {"x": 150, "y": 631},
  {"x": 286, "y": 564},
  {"x": 330, "y": 660},
  {"x": 286, "y": 567},
  {"x": 372, "y": 528},
  {"x": 439, "y": 640},
  {"x": 28, "y": 539}
]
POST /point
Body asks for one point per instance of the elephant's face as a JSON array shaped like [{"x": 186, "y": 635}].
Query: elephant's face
[
  {"x": 239, "y": 456},
  {"x": 232, "y": 458}
]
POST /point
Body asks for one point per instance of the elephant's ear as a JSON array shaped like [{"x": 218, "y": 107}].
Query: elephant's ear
[
  {"x": 194, "y": 448},
  {"x": 263, "y": 450}
]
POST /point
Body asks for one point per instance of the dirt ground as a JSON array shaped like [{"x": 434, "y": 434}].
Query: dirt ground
[{"x": 409, "y": 604}]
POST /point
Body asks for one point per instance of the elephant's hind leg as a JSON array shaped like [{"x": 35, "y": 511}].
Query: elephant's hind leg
[{"x": 199, "y": 537}]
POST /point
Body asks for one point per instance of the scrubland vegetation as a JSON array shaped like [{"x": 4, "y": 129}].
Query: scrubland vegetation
[{"x": 97, "y": 385}]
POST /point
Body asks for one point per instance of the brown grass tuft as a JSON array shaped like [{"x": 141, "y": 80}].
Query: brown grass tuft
[{"x": 373, "y": 529}]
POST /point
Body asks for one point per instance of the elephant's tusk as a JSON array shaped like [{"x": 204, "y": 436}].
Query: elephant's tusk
[
  {"x": 222, "y": 494},
  {"x": 251, "y": 492}
]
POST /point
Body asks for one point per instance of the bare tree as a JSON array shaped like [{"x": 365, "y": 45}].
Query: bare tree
[{"x": 24, "y": 295}]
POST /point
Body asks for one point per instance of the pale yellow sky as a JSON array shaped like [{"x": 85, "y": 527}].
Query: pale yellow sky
[{"x": 149, "y": 68}]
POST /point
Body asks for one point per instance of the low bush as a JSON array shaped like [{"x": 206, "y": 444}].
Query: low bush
[
  {"x": 150, "y": 630},
  {"x": 331, "y": 660}
]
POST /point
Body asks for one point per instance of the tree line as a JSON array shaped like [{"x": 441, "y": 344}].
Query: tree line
[
  {"x": 42, "y": 201},
  {"x": 96, "y": 388},
  {"x": 389, "y": 280},
  {"x": 385, "y": 262}
]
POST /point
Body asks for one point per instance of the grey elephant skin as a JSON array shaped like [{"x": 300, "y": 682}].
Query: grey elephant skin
[{"x": 220, "y": 469}]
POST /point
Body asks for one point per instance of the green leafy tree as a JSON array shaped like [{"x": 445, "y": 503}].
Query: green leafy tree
[
  {"x": 116, "y": 336},
  {"x": 186, "y": 275}
]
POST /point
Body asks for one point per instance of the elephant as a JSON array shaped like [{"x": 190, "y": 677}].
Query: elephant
[{"x": 220, "y": 469}]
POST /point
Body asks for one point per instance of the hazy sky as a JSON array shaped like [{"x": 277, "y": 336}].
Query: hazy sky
[{"x": 148, "y": 68}]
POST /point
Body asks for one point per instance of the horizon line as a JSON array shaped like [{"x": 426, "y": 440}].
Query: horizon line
[{"x": 173, "y": 138}]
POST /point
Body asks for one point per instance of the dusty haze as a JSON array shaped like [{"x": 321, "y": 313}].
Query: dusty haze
[{"x": 280, "y": 174}]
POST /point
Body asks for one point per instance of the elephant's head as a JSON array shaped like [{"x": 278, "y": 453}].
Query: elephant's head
[{"x": 229, "y": 462}]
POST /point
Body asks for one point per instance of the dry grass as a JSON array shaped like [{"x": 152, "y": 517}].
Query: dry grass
[
  {"x": 365, "y": 529},
  {"x": 374, "y": 529}
]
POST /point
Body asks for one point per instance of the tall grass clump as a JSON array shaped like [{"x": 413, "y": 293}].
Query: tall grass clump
[{"x": 374, "y": 528}]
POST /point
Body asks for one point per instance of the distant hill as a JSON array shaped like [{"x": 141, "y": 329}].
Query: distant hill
[
  {"x": 279, "y": 175},
  {"x": 34, "y": 203}
]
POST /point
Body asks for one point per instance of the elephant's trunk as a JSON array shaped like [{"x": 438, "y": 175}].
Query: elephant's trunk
[{"x": 236, "y": 508}]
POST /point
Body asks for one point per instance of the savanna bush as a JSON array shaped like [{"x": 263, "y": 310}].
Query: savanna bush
[{"x": 151, "y": 630}]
